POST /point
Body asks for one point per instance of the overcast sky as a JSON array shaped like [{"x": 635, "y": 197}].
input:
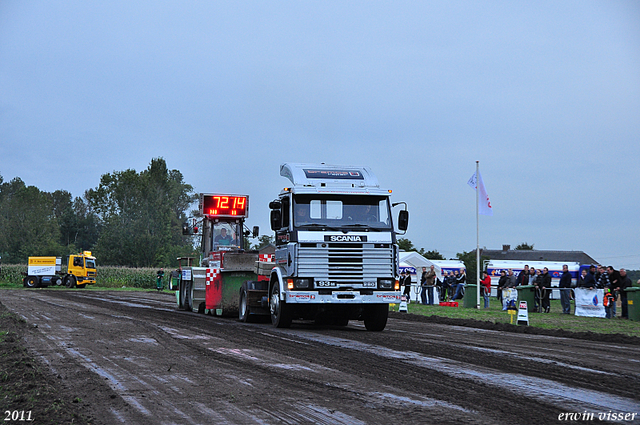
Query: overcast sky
[{"x": 546, "y": 95}]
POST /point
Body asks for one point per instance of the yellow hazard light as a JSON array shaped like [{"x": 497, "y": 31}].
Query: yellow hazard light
[
  {"x": 397, "y": 286},
  {"x": 390, "y": 191},
  {"x": 290, "y": 283}
]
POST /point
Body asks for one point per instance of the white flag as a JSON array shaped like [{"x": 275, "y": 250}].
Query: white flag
[{"x": 484, "y": 205}]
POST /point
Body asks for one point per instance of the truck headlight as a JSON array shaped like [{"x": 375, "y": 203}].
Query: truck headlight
[
  {"x": 300, "y": 283},
  {"x": 386, "y": 283}
]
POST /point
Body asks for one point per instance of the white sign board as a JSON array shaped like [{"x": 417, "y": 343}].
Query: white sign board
[
  {"x": 589, "y": 302},
  {"x": 523, "y": 313},
  {"x": 186, "y": 274}
]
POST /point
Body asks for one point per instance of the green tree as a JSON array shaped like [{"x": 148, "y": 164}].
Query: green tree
[
  {"x": 264, "y": 240},
  {"x": 431, "y": 255},
  {"x": 469, "y": 260},
  {"x": 524, "y": 247},
  {"x": 406, "y": 245},
  {"x": 141, "y": 215},
  {"x": 28, "y": 225}
]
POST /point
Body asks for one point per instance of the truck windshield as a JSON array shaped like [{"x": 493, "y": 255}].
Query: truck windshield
[
  {"x": 356, "y": 211},
  {"x": 91, "y": 263},
  {"x": 226, "y": 236}
]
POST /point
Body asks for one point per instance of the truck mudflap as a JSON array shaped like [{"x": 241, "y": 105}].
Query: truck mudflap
[{"x": 342, "y": 297}]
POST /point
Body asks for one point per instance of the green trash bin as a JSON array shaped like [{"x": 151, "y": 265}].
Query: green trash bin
[
  {"x": 527, "y": 293},
  {"x": 633, "y": 302},
  {"x": 470, "y": 293}
]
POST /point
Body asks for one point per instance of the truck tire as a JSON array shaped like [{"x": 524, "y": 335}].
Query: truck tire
[
  {"x": 181, "y": 294},
  {"x": 341, "y": 321},
  {"x": 280, "y": 312},
  {"x": 243, "y": 308},
  {"x": 188, "y": 300},
  {"x": 57, "y": 281},
  {"x": 70, "y": 281},
  {"x": 31, "y": 282},
  {"x": 375, "y": 317}
]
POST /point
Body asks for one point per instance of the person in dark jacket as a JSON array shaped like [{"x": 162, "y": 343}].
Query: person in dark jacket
[
  {"x": 501, "y": 282},
  {"x": 523, "y": 276},
  {"x": 614, "y": 279},
  {"x": 423, "y": 285},
  {"x": 589, "y": 280},
  {"x": 445, "y": 288},
  {"x": 453, "y": 285},
  {"x": 565, "y": 290},
  {"x": 405, "y": 279},
  {"x": 623, "y": 282},
  {"x": 545, "y": 289}
]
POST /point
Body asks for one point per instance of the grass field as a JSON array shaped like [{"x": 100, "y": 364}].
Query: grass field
[{"x": 553, "y": 320}]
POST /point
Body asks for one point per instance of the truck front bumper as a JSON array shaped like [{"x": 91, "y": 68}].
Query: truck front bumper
[{"x": 342, "y": 297}]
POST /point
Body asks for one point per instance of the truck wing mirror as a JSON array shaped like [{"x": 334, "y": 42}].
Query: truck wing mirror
[
  {"x": 403, "y": 220},
  {"x": 276, "y": 219},
  {"x": 275, "y": 205},
  {"x": 256, "y": 231}
]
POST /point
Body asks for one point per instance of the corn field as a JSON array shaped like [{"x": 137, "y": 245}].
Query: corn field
[{"x": 107, "y": 276}]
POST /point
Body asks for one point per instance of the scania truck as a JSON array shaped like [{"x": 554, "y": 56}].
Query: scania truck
[{"x": 336, "y": 256}]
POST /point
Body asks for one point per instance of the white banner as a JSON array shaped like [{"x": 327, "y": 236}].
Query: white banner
[{"x": 589, "y": 302}]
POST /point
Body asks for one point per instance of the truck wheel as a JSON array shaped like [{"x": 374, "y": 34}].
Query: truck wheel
[
  {"x": 244, "y": 314},
  {"x": 188, "y": 300},
  {"x": 280, "y": 312},
  {"x": 341, "y": 321},
  {"x": 375, "y": 317},
  {"x": 31, "y": 281},
  {"x": 57, "y": 281},
  {"x": 70, "y": 281},
  {"x": 181, "y": 295}
]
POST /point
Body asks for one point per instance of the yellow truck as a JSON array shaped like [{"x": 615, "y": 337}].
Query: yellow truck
[{"x": 45, "y": 271}]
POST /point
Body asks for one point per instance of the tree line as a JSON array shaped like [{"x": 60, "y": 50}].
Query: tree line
[{"x": 130, "y": 219}]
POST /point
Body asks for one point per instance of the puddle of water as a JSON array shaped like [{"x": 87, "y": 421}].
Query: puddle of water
[
  {"x": 423, "y": 402},
  {"x": 144, "y": 340}
]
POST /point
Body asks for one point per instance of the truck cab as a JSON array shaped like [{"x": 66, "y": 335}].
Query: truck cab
[
  {"x": 336, "y": 254},
  {"x": 81, "y": 270}
]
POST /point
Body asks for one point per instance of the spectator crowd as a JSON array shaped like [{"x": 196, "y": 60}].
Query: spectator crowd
[{"x": 451, "y": 286}]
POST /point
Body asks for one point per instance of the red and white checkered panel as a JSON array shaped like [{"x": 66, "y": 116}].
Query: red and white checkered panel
[
  {"x": 211, "y": 274},
  {"x": 266, "y": 258}
]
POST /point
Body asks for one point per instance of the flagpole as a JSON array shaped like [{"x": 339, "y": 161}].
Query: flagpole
[{"x": 477, "y": 237}]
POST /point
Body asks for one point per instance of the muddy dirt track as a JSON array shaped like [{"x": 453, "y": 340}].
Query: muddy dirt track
[{"x": 137, "y": 360}]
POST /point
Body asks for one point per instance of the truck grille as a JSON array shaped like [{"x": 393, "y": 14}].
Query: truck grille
[{"x": 345, "y": 263}]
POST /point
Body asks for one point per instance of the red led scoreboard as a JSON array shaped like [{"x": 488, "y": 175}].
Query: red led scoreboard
[{"x": 224, "y": 206}]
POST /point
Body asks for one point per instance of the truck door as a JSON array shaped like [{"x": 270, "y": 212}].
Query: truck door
[{"x": 284, "y": 256}]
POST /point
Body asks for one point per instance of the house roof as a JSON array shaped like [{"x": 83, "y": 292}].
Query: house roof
[{"x": 538, "y": 255}]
